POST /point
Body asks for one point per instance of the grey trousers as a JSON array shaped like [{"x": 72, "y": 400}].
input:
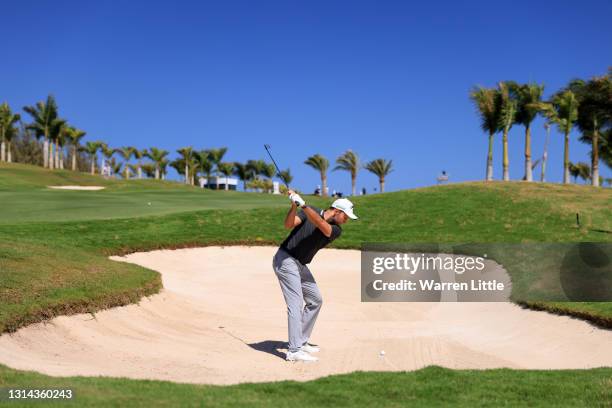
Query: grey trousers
[{"x": 302, "y": 297}]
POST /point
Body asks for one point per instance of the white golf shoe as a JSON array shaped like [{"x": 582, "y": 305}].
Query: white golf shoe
[
  {"x": 309, "y": 348},
  {"x": 300, "y": 355}
]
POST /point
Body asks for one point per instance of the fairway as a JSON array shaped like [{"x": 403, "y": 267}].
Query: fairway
[{"x": 27, "y": 198}]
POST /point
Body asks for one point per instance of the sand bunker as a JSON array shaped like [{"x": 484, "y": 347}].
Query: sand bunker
[
  {"x": 90, "y": 188},
  {"x": 221, "y": 320}
]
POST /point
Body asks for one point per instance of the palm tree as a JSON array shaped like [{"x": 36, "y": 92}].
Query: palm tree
[
  {"x": 92, "y": 148},
  {"x": 216, "y": 156},
  {"x": 62, "y": 139},
  {"x": 186, "y": 156},
  {"x": 9, "y": 134},
  {"x": 605, "y": 148},
  {"x": 545, "y": 154},
  {"x": 349, "y": 161},
  {"x": 126, "y": 153},
  {"x": 488, "y": 105},
  {"x": 148, "y": 169},
  {"x": 108, "y": 153},
  {"x": 381, "y": 168},
  {"x": 158, "y": 157},
  {"x": 321, "y": 164},
  {"x": 255, "y": 168},
  {"x": 268, "y": 170},
  {"x": 204, "y": 164},
  {"x": 226, "y": 168},
  {"x": 528, "y": 97},
  {"x": 115, "y": 166},
  {"x": 244, "y": 173},
  {"x": 7, "y": 122},
  {"x": 562, "y": 110},
  {"x": 508, "y": 108},
  {"x": 44, "y": 114},
  {"x": 580, "y": 169},
  {"x": 595, "y": 114},
  {"x": 163, "y": 164},
  {"x": 138, "y": 155},
  {"x": 584, "y": 171},
  {"x": 57, "y": 130},
  {"x": 574, "y": 171},
  {"x": 286, "y": 176},
  {"x": 74, "y": 137}
]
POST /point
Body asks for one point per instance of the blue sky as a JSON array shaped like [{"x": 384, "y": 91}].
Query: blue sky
[{"x": 385, "y": 78}]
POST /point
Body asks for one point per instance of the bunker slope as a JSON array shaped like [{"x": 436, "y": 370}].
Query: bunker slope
[
  {"x": 221, "y": 319},
  {"x": 88, "y": 188}
]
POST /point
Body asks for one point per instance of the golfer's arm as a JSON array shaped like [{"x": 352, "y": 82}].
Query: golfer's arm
[
  {"x": 292, "y": 220},
  {"x": 319, "y": 222}
]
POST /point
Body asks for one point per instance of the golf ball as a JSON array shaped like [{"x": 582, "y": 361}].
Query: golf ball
[
  {"x": 382, "y": 352},
  {"x": 149, "y": 203}
]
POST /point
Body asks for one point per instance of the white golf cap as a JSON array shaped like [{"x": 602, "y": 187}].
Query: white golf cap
[{"x": 345, "y": 205}]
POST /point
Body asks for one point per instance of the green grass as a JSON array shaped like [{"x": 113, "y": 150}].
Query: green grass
[
  {"x": 54, "y": 247},
  {"x": 431, "y": 386},
  {"x": 25, "y": 197}
]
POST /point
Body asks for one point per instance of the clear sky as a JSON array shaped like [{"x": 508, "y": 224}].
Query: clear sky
[{"x": 387, "y": 79}]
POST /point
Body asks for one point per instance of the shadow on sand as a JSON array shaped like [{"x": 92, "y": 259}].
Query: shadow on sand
[{"x": 271, "y": 347}]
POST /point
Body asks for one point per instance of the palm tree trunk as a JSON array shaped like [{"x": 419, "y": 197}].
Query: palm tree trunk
[
  {"x": 93, "y": 164},
  {"x": 57, "y": 156},
  {"x": 506, "y": 162},
  {"x": 226, "y": 184},
  {"x": 2, "y": 152},
  {"x": 528, "y": 172},
  {"x": 324, "y": 185},
  {"x": 353, "y": 184},
  {"x": 566, "y": 174},
  {"x": 595, "y": 157},
  {"x": 61, "y": 158},
  {"x": 156, "y": 172},
  {"x": 489, "y": 176},
  {"x": 139, "y": 170},
  {"x": 8, "y": 151},
  {"x": 46, "y": 153},
  {"x": 186, "y": 174},
  {"x": 382, "y": 184},
  {"x": 51, "y": 155},
  {"x": 545, "y": 156},
  {"x": 74, "y": 153}
]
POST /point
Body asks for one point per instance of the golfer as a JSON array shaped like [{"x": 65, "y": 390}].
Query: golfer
[{"x": 312, "y": 229}]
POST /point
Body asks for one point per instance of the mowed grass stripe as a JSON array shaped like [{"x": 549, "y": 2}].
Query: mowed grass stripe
[{"x": 431, "y": 386}]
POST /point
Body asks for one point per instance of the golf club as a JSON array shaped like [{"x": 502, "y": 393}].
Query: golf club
[{"x": 267, "y": 147}]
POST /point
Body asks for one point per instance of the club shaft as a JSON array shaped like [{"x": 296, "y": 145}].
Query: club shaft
[{"x": 275, "y": 165}]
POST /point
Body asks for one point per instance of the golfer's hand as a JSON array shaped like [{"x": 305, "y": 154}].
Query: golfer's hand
[{"x": 297, "y": 200}]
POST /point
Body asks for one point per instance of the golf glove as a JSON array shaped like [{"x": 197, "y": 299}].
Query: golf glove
[{"x": 295, "y": 198}]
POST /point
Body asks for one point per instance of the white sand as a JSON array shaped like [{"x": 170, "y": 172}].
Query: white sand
[
  {"x": 90, "y": 188},
  {"x": 221, "y": 319}
]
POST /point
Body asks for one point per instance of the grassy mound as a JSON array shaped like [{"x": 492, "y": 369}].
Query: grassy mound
[{"x": 431, "y": 386}]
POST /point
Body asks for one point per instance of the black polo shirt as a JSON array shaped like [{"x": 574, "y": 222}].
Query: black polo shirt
[{"x": 306, "y": 239}]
